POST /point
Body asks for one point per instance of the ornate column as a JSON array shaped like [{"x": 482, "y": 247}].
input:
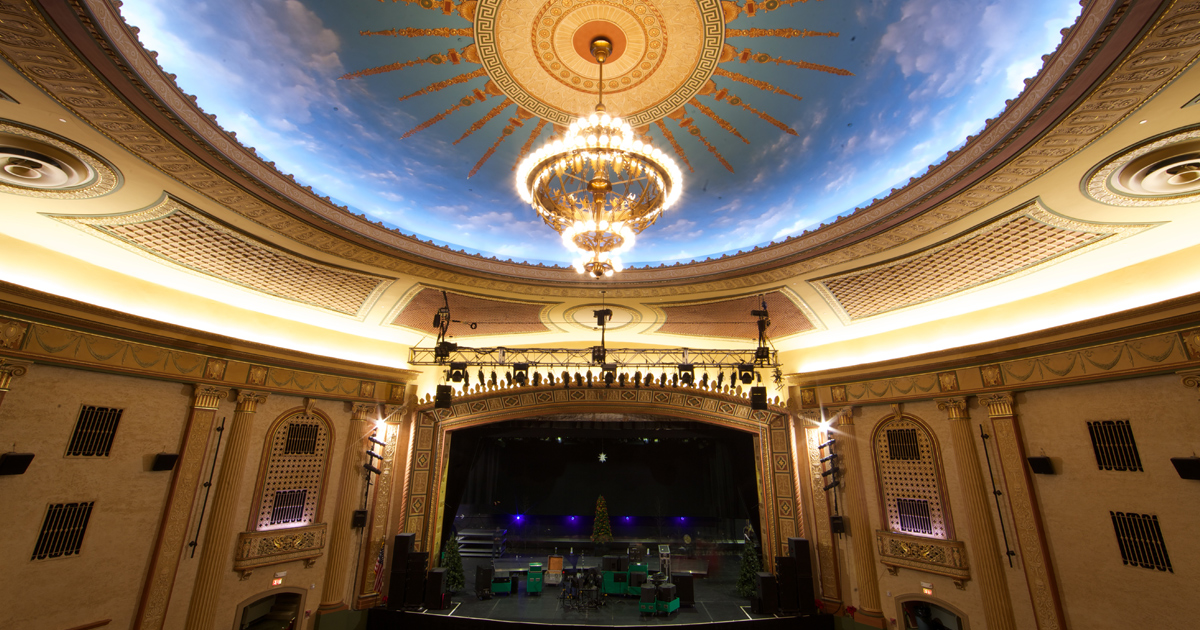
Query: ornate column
[
  {"x": 216, "y": 553},
  {"x": 862, "y": 535},
  {"x": 1031, "y": 538},
  {"x": 10, "y": 369},
  {"x": 808, "y": 424},
  {"x": 172, "y": 531},
  {"x": 333, "y": 591},
  {"x": 985, "y": 553}
]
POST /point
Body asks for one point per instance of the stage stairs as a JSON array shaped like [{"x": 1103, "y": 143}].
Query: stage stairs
[{"x": 482, "y": 543}]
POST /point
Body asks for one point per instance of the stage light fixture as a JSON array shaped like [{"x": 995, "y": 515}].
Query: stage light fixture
[
  {"x": 374, "y": 455},
  {"x": 441, "y": 399},
  {"x": 833, "y": 484},
  {"x": 372, "y": 469},
  {"x": 521, "y": 373},
  {"x": 602, "y": 316},
  {"x": 745, "y": 373},
  {"x": 687, "y": 373},
  {"x": 502, "y": 354},
  {"x": 598, "y": 354},
  {"x": 444, "y": 349},
  {"x": 458, "y": 371},
  {"x": 832, "y": 471},
  {"x": 758, "y": 398},
  {"x": 610, "y": 373},
  {"x": 827, "y": 443},
  {"x": 375, "y": 440},
  {"x": 829, "y": 457}
]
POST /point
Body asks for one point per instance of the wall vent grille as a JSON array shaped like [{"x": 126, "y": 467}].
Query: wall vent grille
[
  {"x": 1141, "y": 541},
  {"x": 914, "y": 516},
  {"x": 94, "y": 431},
  {"x": 1114, "y": 446},
  {"x": 301, "y": 439},
  {"x": 289, "y": 506},
  {"x": 62, "y": 530},
  {"x": 903, "y": 444}
]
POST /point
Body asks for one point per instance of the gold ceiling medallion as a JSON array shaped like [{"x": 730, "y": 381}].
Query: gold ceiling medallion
[
  {"x": 1164, "y": 172},
  {"x": 598, "y": 186},
  {"x": 38, "y": 164}
]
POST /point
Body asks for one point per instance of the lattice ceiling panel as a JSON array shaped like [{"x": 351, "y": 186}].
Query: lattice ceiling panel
[
  {"x": 170, "y": 232},
  {"x": 732, "y": 318},
  {"x": 1015, "y": 244},
  {"x": 491, "y": 317}
]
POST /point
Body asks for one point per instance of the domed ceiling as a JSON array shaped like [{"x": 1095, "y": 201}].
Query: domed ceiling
[{"x": 782, "y": 114}]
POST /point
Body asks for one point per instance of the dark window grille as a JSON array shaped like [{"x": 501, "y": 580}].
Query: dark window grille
[
  {"x": 94, "y": 432},
  {"x": 1141, "y": 541},
  {"x": 914, "y": 516},
  {"x": 288, "y": 506},
  {"x": 62, "y": 530},
  {"x": 1113, "y": 444},
  {"x": 902, "y": 444},
  {"x": 301, "y": 439}
]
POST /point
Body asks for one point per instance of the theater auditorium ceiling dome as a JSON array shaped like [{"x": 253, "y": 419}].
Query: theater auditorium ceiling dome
[{"x": 888, "y": 178}]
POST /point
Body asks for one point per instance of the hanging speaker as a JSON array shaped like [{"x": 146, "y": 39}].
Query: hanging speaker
[
  {"x": 1041, "y": 465},
  {"x": 14, "y": 463},
  {"x": 164, "y": 461},
  {"x": 1187, "y": 467}
]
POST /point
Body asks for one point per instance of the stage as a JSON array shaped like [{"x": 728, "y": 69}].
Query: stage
[{"x": 716, "y": 601}]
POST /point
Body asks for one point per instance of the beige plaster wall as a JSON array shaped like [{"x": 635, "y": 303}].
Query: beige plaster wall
[
  {"x": 105, "y": 580},
  {"x": 1098, "y": 590}
]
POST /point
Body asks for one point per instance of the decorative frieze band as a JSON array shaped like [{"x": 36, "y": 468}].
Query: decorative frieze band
[
  {"x": 931, "y": 555},
  {"x": 260, "y": 549}
]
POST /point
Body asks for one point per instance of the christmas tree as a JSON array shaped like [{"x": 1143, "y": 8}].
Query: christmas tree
[
  {"x": 748, "y": 579},
  {"x": 601, "y": 528},
  {"x": 455, "y": 580}
]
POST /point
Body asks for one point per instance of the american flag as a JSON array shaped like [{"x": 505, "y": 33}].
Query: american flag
[{"x": 379, "y": 561}]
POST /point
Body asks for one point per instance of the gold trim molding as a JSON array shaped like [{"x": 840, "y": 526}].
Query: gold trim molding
[
  {"x": 931, "y": 555},
  {"x": 260, "y": 549}
]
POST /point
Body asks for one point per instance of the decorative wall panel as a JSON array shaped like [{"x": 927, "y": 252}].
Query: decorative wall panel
[
  {"x": 258, "y": 549},
  {"x": 171, "y": 232},
  {"x": 1028, "y": 238},
  {"x": 732, "y": 319}
]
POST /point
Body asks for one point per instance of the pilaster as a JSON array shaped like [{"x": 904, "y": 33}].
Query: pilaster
[
  {"x": 861, "y": 532},
  {"x": 1031, "y": 537},
  {"x": 333, "y": 592},
  {"x": 10, "y": 370},
  {"x": 984, "y": 552},
  {"x": 216, "y": 555}
]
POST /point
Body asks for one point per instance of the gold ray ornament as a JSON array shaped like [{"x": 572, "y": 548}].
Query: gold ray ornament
[
  {"x": 441, "y": 85},
  {"x": 424, "y": 32},
  {"x": 717, "y": 119},
  {"x": 762, "y": 85},
  {"x": 777, "y": 32},
  {"x": 733, "y": 99},
  {"x": 479, "y": 124},
  {"x": 478, "y": 96},
  {"x": 750, "y": 55},
  {"x": 455, "y": 57},
  {"x": 674, "y": 145},
  {"x": 537, "y": 130}
]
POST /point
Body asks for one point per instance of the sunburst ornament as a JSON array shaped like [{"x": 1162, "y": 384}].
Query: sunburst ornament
[
  {"x": 603, "y": 457},
  {"x": 599, "y": 186}
]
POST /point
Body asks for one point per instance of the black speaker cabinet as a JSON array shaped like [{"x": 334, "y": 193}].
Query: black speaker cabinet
[
  {"x": 798, "y": 548},
  {"x": 624, "y": 564},
  {"x": 435, "y": 589},
  {"x": 685, "y": 587},
  {"x": 758, "y": 397},
  {"x": 396, "y": 584},
  {"x": 785, "y": 570},
  {"x": 667, "y": 592},
  {"x": 837, "y": 524},
  {"x": 1187, "y": 467},
  {"x": 647, "y": 594},
  {"x": 358, "y": 519},
  {"x": 483, "y": 581},
  {"x": 400, "y": 550},
  {"x": 414, "y": 589},
  {"x": 807, "y": 594},
  {"x": 164, "y": 461},
  {"x": 1041, "y": 465},
  {"x": 766, "y": 600},
  {"x": 610, "y": 563},
  {"x": 14, "y": 463}
]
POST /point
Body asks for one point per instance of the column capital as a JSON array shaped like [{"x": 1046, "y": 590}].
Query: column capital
[
  {"x": 364, "y": 411},
  {"x": 999, "y": 404},
  {"x": 955, "y": 408},
  {"x": 208, "y": 396},
  {"x": 843, "y": 416},
  {"x": 10, "y": 369},
  {"x": 248, "y": 400},
  {"x": 394, "y": 414},
  {"x": 808, "y": 418}
]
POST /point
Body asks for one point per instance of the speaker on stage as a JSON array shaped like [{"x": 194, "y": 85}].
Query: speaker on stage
[
  {"x": 414, "y": 580},
  {"x": 396, "y": 585},
  {"x": 400, "y": 550},
  {"x": 483, "y": 581},
  {"x": 798, "y": 548},
  {"x": 685, "y": 587},
  {"x": 435, "y": 589},
  {"x": 623, "y": 564},
  {"x": 806, "y": 591},
  {"x": 610, "y": 563},
  {"x": 789, "y": 596},
  {"x": 766, "y": 600}
]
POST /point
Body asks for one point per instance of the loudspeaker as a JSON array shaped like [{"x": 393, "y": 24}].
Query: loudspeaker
[
  {"x": 164, "y": 461},
  {"x": 637, "y": 579},
  {"x": 685, "y": 587},
  {"x": 647, "y": 594},
  {"x": 798, "y": 548},
  {"x": 435, "y": 589},
  {"x": 400, "y": 550},
  {"x": 396, "y": 590},
  {"x": 442, "y": 397},
  {"x": 610, "y": 563},
  {"x": 667, "y": 591},
  {"x": 1041, "y": 465},
  {"x": 358, "y": 519},
  {"x": 758, "y": 397},
  {"x": 766, "y": 597},
  {"x": 785, "y": 569},
  {"x": 1187, "y": 467},
  {"x": 837, "y": 524},
  {"x": 624, "y": 563},
  {"x": 807, "y": 594},
  {"x": 414, "y": 588},
  {"x": 483, "y": 578},
  {"x": 14, "y": 463}
]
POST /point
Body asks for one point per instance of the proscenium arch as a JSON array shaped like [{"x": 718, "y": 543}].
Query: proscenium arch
[{"x": 424, "y": 491}]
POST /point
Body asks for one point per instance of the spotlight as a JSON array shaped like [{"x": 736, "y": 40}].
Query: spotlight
[
  {"x": 444, "y": 349},
  {"x": 458, "y": 371},
  {"x": 376, "y": 440},
  {"x": 374, "y": 455},
  {"x": 745, "y": 373},
  {"x": 598, "y": 354},
  {"x": 372, "y": 469},
  {"x": 610, "y": 373},
  {"x": 521, "y": 373},
  {"x": 441, "y": 400},
  {"x": 758, "y": 398},
  {"x": 687, "y": 373},
  {"x": 602, "y": 316}
]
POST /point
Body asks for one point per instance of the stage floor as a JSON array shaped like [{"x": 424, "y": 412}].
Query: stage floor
[{"x": 716, "y": 597}]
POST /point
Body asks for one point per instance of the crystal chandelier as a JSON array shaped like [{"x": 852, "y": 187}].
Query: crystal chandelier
[{"x": 598, "y": 185}]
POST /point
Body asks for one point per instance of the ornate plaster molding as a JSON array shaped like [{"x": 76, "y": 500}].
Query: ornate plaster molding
[
  {"x": 931, "y": 555},
  {"x": 260, "y": 549},
  {"x": 999, "y": 404},
  {"x": 10, "y": 369}
]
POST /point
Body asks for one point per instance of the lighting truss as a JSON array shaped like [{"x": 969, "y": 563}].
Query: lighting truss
[{"x": 667, "y": 359}]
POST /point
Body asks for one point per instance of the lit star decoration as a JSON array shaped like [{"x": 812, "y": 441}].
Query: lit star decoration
[{"x": 603, "y": 457}]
